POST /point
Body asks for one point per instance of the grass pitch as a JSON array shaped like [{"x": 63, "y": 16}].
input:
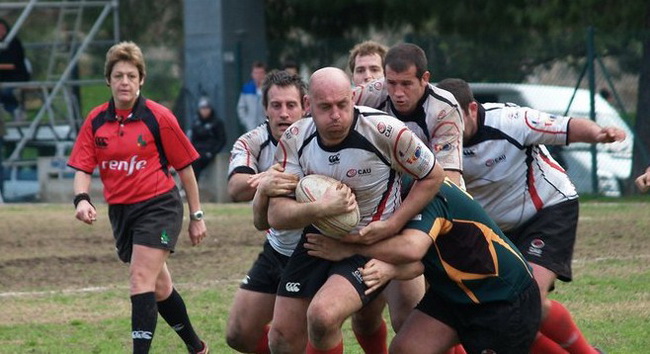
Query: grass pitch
[{"x": 63, "y": 289}]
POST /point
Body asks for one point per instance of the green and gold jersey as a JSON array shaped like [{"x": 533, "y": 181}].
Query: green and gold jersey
[{"x": 470, "y": 261}]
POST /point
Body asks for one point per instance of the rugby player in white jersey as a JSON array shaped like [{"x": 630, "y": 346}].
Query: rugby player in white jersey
[
  {"x": 433, "y": 114},
  {"x": 371, "y": 150},
  {"x": 251, "y": 174},
  {"x": 430, "y": 112},
  {"x": 366, "y": 62},
  {"x": 512, "y": 175}
]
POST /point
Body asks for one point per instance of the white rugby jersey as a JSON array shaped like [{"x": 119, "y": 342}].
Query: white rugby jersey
[
  {"x": 508, "y": 170},
  {"x": 437, "y": 121},
  {"x": 370, "y": 160},
  {"x": 253, "y": 153}
]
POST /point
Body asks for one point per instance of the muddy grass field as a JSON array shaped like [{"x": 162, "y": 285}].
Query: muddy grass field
[{"x": 45, "y": 251}]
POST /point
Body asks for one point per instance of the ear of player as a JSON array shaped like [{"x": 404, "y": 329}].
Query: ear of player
[{"x": 311, "y": 188}]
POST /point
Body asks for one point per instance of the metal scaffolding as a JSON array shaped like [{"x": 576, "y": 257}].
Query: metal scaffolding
[{"x": 57, "y": 120}]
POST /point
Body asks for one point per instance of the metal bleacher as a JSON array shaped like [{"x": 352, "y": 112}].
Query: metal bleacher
[{"x": 75, "y": 28}]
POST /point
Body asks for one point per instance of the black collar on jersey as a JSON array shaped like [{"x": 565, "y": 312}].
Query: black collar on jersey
[
  {"x": 484, "y": 132},
  {"x": 268, "y": 130},
  {"x": 136, "y": 112},
  {"x": 139, "y": 112}
]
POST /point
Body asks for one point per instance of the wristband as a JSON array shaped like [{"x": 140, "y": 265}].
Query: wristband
[{"x": 81, "y": 196}]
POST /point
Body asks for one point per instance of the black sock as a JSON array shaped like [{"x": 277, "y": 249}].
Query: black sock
[
  {"x": 144, "y": 316},
  {"x": 173, "y": 310}
]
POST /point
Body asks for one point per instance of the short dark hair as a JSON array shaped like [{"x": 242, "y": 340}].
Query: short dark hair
[
  {"x": 282, "y": 78},
  {"x": 401, "y": 56},
  {"x": 460, "y": 89}
]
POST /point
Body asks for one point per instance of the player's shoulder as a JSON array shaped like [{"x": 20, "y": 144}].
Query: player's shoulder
[
  {"x": 371, "y": 94},
  {"x": 97, "y": 110},
  {"x": 375, "y": 117},
  {"x": 157, "y": 108},
  {"x": 255, "y": 136},
  {"x": 441, "y": 96},
  {"x": 299, "y": 130}
]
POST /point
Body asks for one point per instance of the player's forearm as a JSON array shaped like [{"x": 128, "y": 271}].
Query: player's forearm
[
  {"x": 408, "y": 271},
  {"x": 454, "y": 176},
  {"x": 260, "y": 211},
  {"x": 583, "y": 130},
  {"x": 81, "y": 183},
  {"x": 400, "y": 249},
  {"x": 238, "y": 188},
  {"x": 422, "y": 192},
  {"x": 286, "y": 213}
]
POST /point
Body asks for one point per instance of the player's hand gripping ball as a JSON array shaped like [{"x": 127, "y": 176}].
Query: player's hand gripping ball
[{"x": 311, "y": 188}]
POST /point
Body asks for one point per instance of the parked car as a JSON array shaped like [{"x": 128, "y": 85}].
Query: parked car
[{"x": 614, "y": 161}]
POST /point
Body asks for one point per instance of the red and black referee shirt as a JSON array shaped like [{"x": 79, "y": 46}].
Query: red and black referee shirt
[{"x": 131, "y": 165}]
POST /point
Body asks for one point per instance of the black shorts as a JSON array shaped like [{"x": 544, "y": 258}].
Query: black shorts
[
  {"x": 304, "y": 275},
  {"x": 502, "y": 326},
  {"x": 265, "y": 274},
  {"x": 154, "y": 223},
  {"x": 548, "y": 238}
]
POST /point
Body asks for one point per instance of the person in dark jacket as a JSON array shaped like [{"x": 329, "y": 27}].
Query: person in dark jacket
[
  {"x": 12, "y": 69},
  {"x": 208, "y": 136}
]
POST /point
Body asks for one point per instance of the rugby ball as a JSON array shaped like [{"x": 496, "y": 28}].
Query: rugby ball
[{"x": 311, "y": 188}]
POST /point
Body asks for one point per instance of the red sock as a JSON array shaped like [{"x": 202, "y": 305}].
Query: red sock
[
  {"x": 560, "y": 328},
  {"x": 544, "y": 345},
  {"x": 458, "y": 349},
  {"x": 376, "y": 342},
  {"x": 336, "y": 350},
  {"x": 263, "y": 343}
]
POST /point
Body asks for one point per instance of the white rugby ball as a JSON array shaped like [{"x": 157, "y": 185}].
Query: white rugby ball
[{"x": 311, "y": 188}]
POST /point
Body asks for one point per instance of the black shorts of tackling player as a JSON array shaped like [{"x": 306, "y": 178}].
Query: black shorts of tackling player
[
  {"x": 265, "y": 274},
  {"x": 154, "y": 223},
  {"x": 549, "y": 237},
  {"x": 304, "y": 275},
  {"x": 501, "y": 326}
]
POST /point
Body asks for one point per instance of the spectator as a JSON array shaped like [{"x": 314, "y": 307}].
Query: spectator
[
  {"x": 249, "y": 108},
  {"x": 208, "y": 136},
  {"x": 12, "y": 69}
]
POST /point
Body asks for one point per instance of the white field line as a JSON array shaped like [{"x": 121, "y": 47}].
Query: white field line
[{"x": 99, "y": 289}]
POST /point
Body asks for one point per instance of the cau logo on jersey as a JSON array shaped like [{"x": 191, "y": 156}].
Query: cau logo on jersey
[
  {"x": 384, "y": 129},
  {"x": 358, "y": 172},
  {"x": 496, "y": 160},
  {"x": 292, "y": 131}
]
